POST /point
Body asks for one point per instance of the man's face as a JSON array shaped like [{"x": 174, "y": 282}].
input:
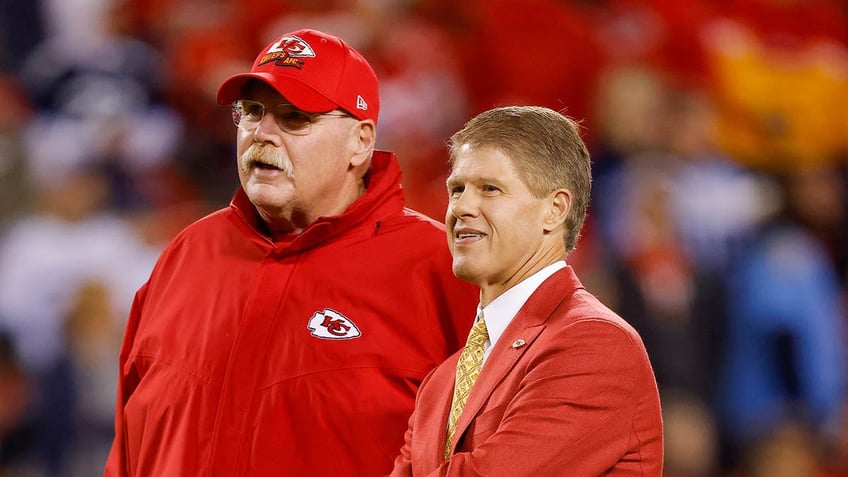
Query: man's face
[
  {"x": 291, "y": 179},
  {"x": 495, "y": 226}
]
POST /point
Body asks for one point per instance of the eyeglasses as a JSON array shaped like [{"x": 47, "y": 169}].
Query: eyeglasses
[{"x": 248, "y": 114}]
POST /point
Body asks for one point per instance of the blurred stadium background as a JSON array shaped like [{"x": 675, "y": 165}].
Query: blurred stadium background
[{"x": 719, "y": 222}]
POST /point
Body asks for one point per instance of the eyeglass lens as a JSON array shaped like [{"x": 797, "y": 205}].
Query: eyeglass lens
[{"x": 248, "y": 114}]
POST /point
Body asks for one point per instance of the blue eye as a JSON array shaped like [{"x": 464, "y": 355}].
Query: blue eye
[
  {"x": 247, "y": 113},
  {"x": 293, "y": 120},
  {"x": 253, "y": 111}
]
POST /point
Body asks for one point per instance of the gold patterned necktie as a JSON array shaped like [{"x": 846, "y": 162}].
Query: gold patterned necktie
[{"x": 467, "y": 369}]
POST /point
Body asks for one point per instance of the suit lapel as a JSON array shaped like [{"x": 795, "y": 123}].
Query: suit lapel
[{"x": 526, "y": 326}]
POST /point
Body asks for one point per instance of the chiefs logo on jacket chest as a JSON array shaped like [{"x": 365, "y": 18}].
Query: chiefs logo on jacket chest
[{"x": 329, "y": 324}]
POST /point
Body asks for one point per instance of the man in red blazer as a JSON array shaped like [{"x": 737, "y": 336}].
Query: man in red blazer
[{"x": 565, "y": 387}]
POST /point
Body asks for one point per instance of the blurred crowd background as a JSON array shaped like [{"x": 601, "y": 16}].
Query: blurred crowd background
[{"x": 718, "y": 227}]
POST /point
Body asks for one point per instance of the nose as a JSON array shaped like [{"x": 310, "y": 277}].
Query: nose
[
  {"x": 463, "y": 204},
  {"x": 267, "y": 131}
]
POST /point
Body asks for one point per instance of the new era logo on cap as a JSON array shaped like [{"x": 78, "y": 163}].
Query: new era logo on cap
[{"x": 316, "y": 72}]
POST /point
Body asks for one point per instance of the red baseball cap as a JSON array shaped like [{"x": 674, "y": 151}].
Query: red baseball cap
[{"x": 317, "y": 72}]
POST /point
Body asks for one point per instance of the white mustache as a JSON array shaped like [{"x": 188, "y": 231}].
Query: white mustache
[{"x": 265, "y": 154}]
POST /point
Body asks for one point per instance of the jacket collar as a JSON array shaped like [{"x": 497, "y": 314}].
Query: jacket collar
[{"x": 383, "y": 197}]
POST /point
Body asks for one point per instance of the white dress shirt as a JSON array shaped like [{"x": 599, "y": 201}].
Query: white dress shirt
[{"x": 500, "y": 312}]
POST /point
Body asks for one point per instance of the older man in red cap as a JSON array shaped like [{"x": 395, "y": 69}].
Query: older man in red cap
[{"x": 287, "y": 334}]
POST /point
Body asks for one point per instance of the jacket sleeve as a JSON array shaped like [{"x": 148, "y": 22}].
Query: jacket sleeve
[
  {"x": 576, "y": 410},
  {"x": 116, "y": 464},
  {"x": 403, "y": 462}
]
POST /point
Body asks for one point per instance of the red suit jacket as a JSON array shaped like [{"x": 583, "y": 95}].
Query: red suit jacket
[{"x": 567, "y": 391}]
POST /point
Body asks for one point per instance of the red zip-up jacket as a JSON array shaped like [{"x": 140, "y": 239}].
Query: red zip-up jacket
[{"x": 246, "y": 357}]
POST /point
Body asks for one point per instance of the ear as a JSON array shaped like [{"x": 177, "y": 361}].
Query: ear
[
  {"x": 363, "y": 136},
  {"x": 559, "y": 204}
]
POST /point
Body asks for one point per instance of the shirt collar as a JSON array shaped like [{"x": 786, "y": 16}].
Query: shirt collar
[{"x": 500, "y": 312}]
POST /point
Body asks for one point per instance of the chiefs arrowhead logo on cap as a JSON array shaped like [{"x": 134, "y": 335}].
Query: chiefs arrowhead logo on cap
[
  {"x": 286, "y": 52},
  {"x": 331, "y": 325}
]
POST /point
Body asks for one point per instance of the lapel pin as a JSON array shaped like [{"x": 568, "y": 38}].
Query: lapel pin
[{"x": 518, "y": 343}]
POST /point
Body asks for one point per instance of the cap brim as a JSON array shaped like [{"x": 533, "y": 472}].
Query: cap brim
[{"x": 293, "y": 90}]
